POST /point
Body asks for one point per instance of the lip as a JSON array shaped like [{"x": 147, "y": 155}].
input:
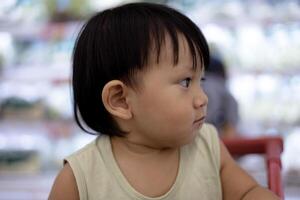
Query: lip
[{"x": 202, "y": 119}]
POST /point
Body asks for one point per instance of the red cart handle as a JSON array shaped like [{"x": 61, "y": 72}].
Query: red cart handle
[{"x": 271, "y": 147}]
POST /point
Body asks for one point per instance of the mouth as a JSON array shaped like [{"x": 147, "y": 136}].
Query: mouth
[{"x": 200, "y": 120}]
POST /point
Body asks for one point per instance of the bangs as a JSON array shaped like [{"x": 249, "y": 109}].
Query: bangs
[
  {"x": 158, "y": 40},
  {"x": 140, "y": 31}
]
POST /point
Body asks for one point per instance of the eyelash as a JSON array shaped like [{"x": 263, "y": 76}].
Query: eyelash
[{"x": 187, "y": 81}]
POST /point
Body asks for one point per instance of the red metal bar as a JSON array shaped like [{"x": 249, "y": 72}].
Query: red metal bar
[
  {"x": 274, "y": 148},
  {"x": 270, "y": 147}
]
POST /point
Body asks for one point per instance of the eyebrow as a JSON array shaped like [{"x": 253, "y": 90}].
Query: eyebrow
[
  {"x": 191, "y": 68},
  {"x": 183, "y": 69}
]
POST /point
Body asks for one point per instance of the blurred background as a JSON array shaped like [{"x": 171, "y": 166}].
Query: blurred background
[{"x": 258, "y": 40}]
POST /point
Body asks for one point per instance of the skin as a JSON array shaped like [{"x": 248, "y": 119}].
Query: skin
[{"x": 160, "y": 117}]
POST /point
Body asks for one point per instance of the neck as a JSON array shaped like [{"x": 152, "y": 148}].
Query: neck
[{"x": 126, "y": 145}]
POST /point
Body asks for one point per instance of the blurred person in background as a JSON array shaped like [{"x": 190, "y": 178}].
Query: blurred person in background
[{"x": 222, "y": 109}]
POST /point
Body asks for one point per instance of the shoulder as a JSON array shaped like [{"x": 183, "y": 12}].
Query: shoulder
[
  {"x": 64, "y": 186},
  {"x": 208, "y": 134},
  {"x": 70, "y": 182},
  {"x": 85, "y": 156},
  {"x": 87, "y": 148},
  {"x": 207, "y": 140}
]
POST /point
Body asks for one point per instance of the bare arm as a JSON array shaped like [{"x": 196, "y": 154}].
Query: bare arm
[
  {"x": 237, "y": 184},
  {"x": 64, "y": 187}
]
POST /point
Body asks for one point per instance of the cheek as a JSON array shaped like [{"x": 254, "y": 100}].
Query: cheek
[
  {"x": 169, "y": 109},
  {"x": 168, "y": 119}
]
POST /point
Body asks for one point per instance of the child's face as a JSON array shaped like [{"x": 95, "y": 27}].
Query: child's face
[{"x": 170, "y": 106}]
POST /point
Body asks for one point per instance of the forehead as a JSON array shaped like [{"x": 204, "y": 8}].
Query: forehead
[
  {"x": 161, "y": 61},
  {"x": 175, "y": 53}
]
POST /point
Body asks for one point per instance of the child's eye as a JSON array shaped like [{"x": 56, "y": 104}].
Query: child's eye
[
  {"x": 203, "y": 79},
  {"x": 186, "y": 82}
]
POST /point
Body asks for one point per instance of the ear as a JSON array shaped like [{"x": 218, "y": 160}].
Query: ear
[{"x": 114, "y": 98}]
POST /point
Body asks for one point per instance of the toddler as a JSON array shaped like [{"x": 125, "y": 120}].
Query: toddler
[{"x": 137, "y": 72}]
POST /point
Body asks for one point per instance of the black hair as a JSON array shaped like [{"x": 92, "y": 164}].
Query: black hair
[{"x": 115, "y": 44}]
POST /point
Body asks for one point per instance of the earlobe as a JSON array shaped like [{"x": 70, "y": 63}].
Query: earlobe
[{"x": 114, "y": 98}]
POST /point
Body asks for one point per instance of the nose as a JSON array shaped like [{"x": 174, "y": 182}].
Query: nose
[{"x": 200, "y": 99}]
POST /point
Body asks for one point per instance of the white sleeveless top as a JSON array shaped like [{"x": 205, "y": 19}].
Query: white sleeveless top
[{"x": 98, "y": 176}]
